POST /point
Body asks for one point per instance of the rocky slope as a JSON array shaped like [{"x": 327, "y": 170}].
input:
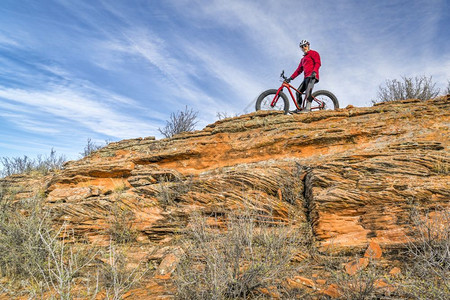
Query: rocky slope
[{"x": 354, "y": 175}]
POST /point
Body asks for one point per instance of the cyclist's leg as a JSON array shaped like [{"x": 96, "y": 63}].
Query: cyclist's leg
[
  {"x": 309, "y": 82},
  {"x": 302, "y": 87},
  {"x": 308, "y": 94}
]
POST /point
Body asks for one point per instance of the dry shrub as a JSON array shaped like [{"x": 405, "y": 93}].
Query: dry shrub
[
  {"x": 120, "y": 225},
  {"x": 38, "y": 260},
  {"x": 233, "y": 263},
  {"x": 35, "y": 255},
  {"x": 181, "y": 121},
  {"x": 359, "y": 286},
  {"x": 171, "y": 189},
  {"x": 25, "y": 164},
  {"x": 428, "y": 254},
  {"x": 23, "y": 253},
  {"x": 116, "y": 277},
  {"x": 419, "y": 87}
]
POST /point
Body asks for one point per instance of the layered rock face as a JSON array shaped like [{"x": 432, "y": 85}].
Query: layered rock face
[{"x": 354, "y": 174}]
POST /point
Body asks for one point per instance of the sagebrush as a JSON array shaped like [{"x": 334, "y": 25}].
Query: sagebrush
[
  {"x": 419, "y": 87},
  {"x": 237, "y": 261},
  {"x": 428, "y": 255},
  {"x": 181, "y": 121},
  {"x": 25, "y": 164}
]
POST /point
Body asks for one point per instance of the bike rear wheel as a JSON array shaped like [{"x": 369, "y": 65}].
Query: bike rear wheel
[
  {"x": 265, "y": 99},
  {"x": 327, "y": 100}
]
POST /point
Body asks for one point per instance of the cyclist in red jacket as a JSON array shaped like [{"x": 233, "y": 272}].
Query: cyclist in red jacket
[{"x": 309, "y": 65}]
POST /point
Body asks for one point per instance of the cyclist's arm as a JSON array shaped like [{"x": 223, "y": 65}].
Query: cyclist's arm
[
  {"x": 317, "y": 63},
  {"x": 298, "y": 71}
]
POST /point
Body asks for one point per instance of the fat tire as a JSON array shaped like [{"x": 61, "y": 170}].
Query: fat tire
[
  {"x": 266, "y": 106},
  {"x": 328, "y": 94}
]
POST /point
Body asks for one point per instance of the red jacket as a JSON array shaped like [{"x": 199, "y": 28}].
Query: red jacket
[{"x": 309, "y": 63}]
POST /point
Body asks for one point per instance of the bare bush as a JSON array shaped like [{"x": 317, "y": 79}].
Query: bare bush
[
  {"x": 222, "y": 115},
  {"x": 23, "y": 254},
  {"x": 65, "y": 262},
  {"x": 120, "y": 225},
  {"x": 172, "y": 189},
  {"x": 25, "y": 164},
  {"x": 32, "y": 253},
  {"x": 225, "y": 115},
  {"x": 91, "y": 147},
  {"x": 447, "y": 90},
  {"x": 116, "y": 276},
  {"x": 428, "y": 253},
  {"x": 181, "y": 121},
  {"x": 236, "y": 262},
  {"x": 419, "y": 87},
  {"x": 37, "y": 258},
  {"x": 361, "y": 285}
]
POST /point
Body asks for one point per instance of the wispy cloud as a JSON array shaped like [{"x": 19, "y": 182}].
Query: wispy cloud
[
  {"x": 118, "y": 69},
  {"x": 74, "y": 106}
]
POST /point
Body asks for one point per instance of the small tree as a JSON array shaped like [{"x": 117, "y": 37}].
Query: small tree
[
  {"x": 447, "y": 90},
  {"x": 181, "y": 121},
  {"x": 419, "y": 87}
]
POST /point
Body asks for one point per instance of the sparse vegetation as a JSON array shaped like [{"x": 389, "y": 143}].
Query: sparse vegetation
[
  {"x": 419, "y": 87},
  {"x": 441, "y": 165},
  {"x": 25, "y": 164},
  {"x": 181, "y": 121},
  {"x": 222, "y": 115},
  {"x": 23, "y": 254},
  {"x": 428, "y": 255},
  {"x": 171, "y": 188},
  {"x": 120, "y": 225},
  {"x": 235, "y": 262},
  {"x": 116, "y": 276},
  {"x": 364, "y": 284},
  {"x": 225, "y": 115},
  {"x": 91, "y": 147},
  {"x": 65, "y": 262},
  {"x": 41, "y": 260}
]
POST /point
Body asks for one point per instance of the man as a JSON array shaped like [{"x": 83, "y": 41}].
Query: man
[{"x": 309, "y": 65}]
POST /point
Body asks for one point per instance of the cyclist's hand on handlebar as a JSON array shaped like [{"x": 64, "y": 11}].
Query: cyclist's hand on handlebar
[{"x": 287, "y": 80}]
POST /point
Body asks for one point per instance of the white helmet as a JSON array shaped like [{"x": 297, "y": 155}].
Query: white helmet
[{"x": 303, "y": 42}]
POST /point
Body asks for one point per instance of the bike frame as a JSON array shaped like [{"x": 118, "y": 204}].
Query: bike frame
[{"x": 321, "y": 104}]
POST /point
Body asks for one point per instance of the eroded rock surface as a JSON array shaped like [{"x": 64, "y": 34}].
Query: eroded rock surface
[{"x": 354, "y": 174}]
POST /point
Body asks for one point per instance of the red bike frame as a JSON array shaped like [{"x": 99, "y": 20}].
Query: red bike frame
[{"x": 321, "y": 104}]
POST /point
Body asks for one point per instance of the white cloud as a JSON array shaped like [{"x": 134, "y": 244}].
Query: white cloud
[{"x": 71, "y": 105}]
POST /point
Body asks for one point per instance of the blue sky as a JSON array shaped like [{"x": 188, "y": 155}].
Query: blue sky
[{"x": 116, "y": 69}]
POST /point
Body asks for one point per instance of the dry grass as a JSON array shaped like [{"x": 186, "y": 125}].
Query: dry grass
[
  {"x": 121, "y": 225},
  {"x": 116, "y": 277},
  {"x": 428, "y": 255},
  {"x": 236, "y": 262},
  {"x": 40, "y": 164},
  {"x": 41, "y": 261}
]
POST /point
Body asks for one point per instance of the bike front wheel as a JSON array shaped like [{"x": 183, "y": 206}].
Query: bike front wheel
[
  {"x": 264, "y": 101},
  {"x": 326, "y": 100}
]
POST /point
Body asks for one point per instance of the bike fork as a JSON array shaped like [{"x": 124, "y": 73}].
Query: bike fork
[{"x": 276, "y": 97}]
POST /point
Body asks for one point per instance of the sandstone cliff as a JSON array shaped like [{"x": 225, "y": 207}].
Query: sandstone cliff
[{"x": 353, "y": 175}]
